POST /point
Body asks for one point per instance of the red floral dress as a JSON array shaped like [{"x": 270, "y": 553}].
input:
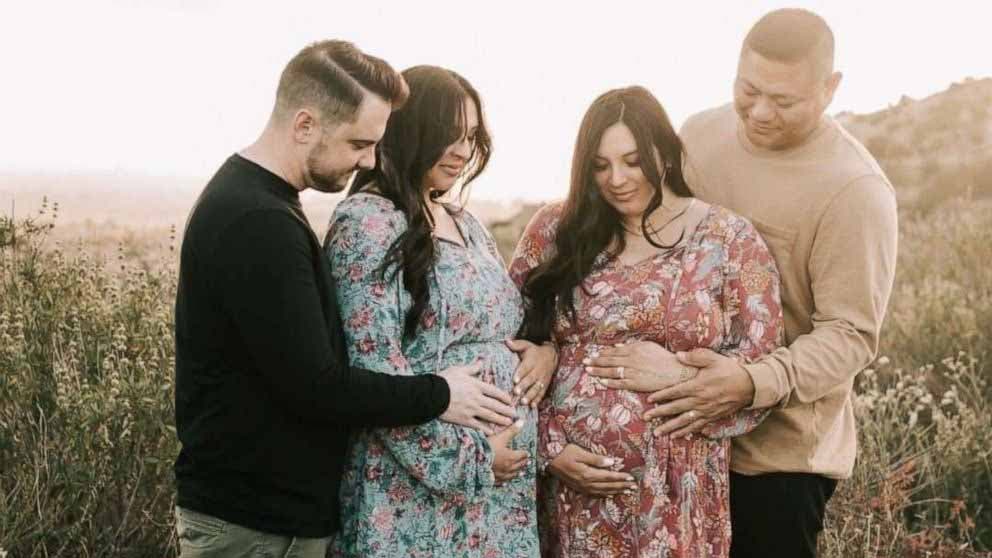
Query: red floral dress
[{"x": 719, "y": 290}]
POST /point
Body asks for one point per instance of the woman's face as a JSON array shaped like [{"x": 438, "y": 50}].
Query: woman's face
[
  {"x": 617, "y": 170},
  {"x": 443, "y": 175}
]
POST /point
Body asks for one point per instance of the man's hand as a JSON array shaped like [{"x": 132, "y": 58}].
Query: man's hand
[
  {"x": 474, "y": 403},
  {"x": 533, "y": 375},
  {"x": 507, "y": 462},
  {"x": 722, "y": 387},
  {"x": 588, "y": 473},
  {"x": 639, "y": 366}
]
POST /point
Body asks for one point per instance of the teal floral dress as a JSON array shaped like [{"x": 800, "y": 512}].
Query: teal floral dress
[{"x": 428, "y": 490}]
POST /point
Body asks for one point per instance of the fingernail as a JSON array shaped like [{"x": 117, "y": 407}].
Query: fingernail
[
  {"x": 516, "y": 379},
  {"x": 519, "y": 423},
  {"x": 516, "y": 391},
  {"x": 586, "y": 361},
  {"x": 680, "y": 354},
  {"x": 526, "y": 402},
  {"x": 630, "y": 478},
  {"x": 588, "y": 368},
  {"x": 608, "y": 462}
]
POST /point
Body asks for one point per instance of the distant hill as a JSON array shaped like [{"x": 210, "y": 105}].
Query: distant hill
[{"x": 935, "y": 148}]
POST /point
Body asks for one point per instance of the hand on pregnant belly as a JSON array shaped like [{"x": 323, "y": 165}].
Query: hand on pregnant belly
[
  {"x": 588, "y": 473},
  {"x": 641, "y": 366},
  {"x": 507, "y": 462}
]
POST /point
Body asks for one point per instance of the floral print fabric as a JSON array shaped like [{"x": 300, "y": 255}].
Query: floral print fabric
[
  {"x": 428, "y": 490},
  {"x": 718, "y": 290}
]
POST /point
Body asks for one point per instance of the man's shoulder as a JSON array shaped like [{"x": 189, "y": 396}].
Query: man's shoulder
[
  {"x": 709, "y": 120},
  {"x": 858, "y": 164},
  {"x": 229, "y": 202}
]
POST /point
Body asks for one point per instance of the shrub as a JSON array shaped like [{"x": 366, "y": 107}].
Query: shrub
[{"x": 86, "y": 401}]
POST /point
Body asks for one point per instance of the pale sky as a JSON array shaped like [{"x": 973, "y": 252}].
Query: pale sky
[{"x": 171, "y": 88}]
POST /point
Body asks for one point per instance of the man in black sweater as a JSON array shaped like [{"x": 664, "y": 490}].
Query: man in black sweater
[{"x": 264, "y": 393}]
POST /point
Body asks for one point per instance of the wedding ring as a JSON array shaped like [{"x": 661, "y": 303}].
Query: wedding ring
[
  {"x": 691, "y": 414},
  {"x": 620, "y": 372}
]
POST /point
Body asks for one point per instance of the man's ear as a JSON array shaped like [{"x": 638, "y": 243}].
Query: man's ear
[
  {"x": 830, "y": 88},
  {"x": 305, "y": 126}
]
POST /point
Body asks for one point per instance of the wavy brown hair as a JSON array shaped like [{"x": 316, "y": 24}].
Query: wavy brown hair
[
  {"x": 589, "y": 225},
  {"x": 416, "y": 138}
]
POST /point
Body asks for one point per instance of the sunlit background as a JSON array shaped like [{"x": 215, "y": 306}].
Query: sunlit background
[{"x": 161, "y": 90}]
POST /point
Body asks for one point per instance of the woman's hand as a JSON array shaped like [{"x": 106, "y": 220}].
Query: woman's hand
[
  {"x": 507, "y": 463},
  {"x": 638, "y": 366},
  {"x": 533, "y": 375},
  {"x": 589, "y": 473}
]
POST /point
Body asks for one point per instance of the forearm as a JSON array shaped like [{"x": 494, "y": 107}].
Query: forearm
[
  {"x": 369, "y": 398},
  {"x": 815, "y": 363}
]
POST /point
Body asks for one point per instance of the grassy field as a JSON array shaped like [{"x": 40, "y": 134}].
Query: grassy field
[{"x": 87, "y": 436}]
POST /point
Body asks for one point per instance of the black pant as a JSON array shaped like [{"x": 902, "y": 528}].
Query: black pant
[{"x": 777, "y": 514}]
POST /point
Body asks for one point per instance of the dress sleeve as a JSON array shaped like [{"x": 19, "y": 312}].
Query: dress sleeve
[
  {"x": 753, "y": 314},
  {"x": 537, "y": 243},
  {"x": 446, "y": 458},
  {"x": 535, "y": 246}
]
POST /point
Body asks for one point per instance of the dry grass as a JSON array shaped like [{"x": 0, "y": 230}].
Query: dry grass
[{"x": 86, "y": 416}]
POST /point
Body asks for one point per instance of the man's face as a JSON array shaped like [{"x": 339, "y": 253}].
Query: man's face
[
  {"x": 780, "y": 103},
  {"x": 345, "y": 147}
]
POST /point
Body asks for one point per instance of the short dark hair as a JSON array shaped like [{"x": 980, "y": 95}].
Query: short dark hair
[
  {"x": 332, "y": 76},
  {"x": 792, "y": 35}
]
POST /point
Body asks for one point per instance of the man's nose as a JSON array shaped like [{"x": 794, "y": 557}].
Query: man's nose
[
  {"x": 762, "y": 110},
  {"x": 367, "y": 161}
]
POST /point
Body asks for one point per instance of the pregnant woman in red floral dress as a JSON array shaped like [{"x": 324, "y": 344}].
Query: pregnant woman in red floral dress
[{"x": 631, "y": 255}]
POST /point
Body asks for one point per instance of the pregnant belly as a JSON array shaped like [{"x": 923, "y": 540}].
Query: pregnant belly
[
  {"x": 497, "y": 360},
  {"x": 604, "y": 421}
]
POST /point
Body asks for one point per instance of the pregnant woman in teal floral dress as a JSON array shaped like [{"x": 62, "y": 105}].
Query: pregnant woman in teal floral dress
[{"x": 422, "y": 287}]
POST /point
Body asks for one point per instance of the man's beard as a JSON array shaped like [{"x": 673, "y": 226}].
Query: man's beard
[{"x": 327, "y": 182}]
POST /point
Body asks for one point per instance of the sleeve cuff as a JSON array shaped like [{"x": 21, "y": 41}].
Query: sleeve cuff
[
  {"x": 766, "y": 386},
  {"x": 440, "y": 397}
]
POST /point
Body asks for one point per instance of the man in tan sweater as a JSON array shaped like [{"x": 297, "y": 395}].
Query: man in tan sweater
[{"x": 828, "y": 214}]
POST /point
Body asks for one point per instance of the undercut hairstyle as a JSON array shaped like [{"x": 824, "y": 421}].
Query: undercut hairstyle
[
  {"x": 416, "y": 138},
  {"x": 589, "y": 225},
  {"x": 792, "y": 35},
  {"x": 333, "y": 77}
]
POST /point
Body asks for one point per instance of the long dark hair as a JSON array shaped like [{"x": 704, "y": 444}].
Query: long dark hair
[
  {"x": 416, "y": 138},
  {"x": 589, "y": 224}
]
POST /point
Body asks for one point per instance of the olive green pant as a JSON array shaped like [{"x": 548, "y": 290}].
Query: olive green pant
[{"x": 205, "y": 536}]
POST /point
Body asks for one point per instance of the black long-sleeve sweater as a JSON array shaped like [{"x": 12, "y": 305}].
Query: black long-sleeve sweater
[{"x": 264, "y": 393}]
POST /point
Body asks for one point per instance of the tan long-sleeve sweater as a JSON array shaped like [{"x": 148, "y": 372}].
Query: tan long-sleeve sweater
[{"x": 828, "y": 214}]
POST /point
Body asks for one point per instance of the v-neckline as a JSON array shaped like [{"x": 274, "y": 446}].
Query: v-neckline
[{"x": 681, "y": 247}]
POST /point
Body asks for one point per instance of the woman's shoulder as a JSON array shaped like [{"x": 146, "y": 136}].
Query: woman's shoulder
[
  {"x": 371, "y": 217},
  {"x": 726, "y": 223},
  {"x": 546, "y": 218},
  {"x": 367, "y": 205}
]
